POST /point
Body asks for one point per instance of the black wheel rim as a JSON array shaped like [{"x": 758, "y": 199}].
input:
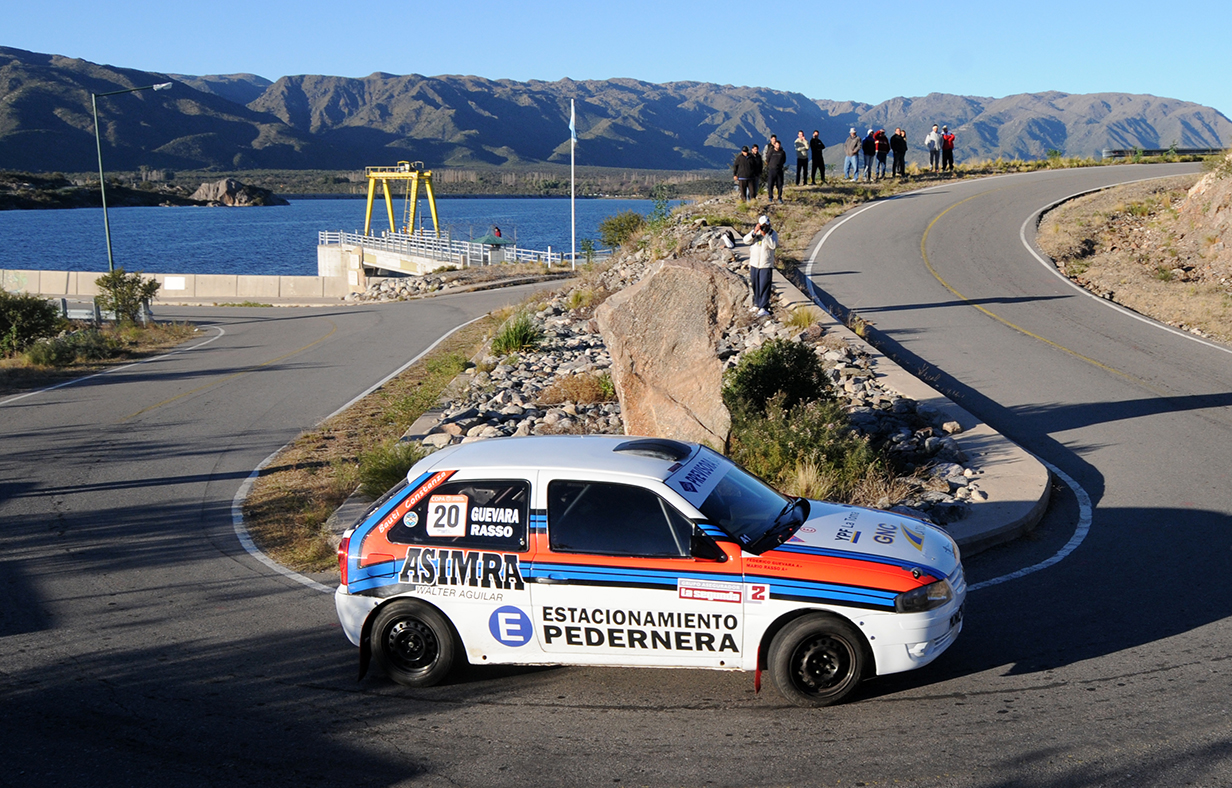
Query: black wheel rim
[
  {"x": 822, "y": 665},
  {"x": 411, "y": 645}
]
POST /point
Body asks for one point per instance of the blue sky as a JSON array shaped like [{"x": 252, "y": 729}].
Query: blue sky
[{"x": 871, "y": 52}]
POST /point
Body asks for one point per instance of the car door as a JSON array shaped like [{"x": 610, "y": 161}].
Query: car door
[{"x": 621, "y": 577}]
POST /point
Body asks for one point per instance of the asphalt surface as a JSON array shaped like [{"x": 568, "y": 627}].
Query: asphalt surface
[{"x": 140, "y": 644}]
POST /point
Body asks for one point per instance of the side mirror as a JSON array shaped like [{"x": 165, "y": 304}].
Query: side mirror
[{"x": 703, "y": 547}]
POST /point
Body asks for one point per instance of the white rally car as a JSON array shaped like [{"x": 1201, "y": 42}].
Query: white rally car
[{"x": 605, "y": 550}]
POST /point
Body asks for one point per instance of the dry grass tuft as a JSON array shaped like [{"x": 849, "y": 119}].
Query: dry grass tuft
[{"x": 584, "y": 389}]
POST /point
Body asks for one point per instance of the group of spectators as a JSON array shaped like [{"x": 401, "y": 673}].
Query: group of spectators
[
  {"x": 868, "y": 154},
  {"x": 751, "y": 169}
]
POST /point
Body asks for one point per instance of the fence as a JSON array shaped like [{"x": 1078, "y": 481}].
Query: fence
[{"x": 447, "y": 250}]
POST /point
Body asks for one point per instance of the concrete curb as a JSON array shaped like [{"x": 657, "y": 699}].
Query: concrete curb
[{"x": 1018, "y": 485}]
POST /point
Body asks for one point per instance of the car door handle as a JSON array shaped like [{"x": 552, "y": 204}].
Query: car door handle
[{"x": 552, "y": 580}]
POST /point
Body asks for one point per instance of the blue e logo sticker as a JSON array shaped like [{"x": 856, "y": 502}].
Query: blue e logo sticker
[{"x": 510, "y": 626}]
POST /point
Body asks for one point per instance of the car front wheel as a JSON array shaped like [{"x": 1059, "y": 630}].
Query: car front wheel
[
  {"x": 413, "y": 643},
  {"x": 816, "y": 660}
]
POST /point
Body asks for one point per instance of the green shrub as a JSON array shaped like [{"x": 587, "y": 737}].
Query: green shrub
[
  {"x": 518, "y": 333},
  {"x": 781, "y": 366},
  {"x": 616, "y": 230},
  {"x": 776, "y": 443},
  {"x": 124, "y": 294},
  {"x": 90, "y": 345},
  {"x": 25, "y": 318},
  {"x": 385, "y": 466}
]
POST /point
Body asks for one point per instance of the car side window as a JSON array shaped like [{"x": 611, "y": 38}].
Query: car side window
[
  {"x": 614, "y": 519},
  {"x": 486, "y": 514}
]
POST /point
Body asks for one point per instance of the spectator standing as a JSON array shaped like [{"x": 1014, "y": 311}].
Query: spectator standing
[
  {"x": 851, "y": 156},
  {"x": 869, "y": 148},
  {"x": 802, "y": 152},
  {"x": 947, "y": 149},
  {"x": 759, "y": 164},
  {"x": 898, "y": 146},
  {"x": 933, "y": 143},
  {"x": 816, "y": 146},
  {"x": 763, "y": 240},
  {"x": 742, "y": 172},
  {"x": 882, "y": 144},
  {"x": 776, "y": 161}
]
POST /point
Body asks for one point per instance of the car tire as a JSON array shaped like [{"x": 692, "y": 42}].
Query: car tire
[
  {"x": 817, "y": 660},
  {"x": 413, "y": 643}
]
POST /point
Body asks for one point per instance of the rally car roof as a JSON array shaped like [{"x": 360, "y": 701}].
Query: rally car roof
[{"x": 650, "y": 457}]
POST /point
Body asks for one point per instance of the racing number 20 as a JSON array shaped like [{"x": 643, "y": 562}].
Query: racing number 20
[{"x": 447, "y": 515}]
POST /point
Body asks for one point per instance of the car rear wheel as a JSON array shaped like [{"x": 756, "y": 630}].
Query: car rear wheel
[
  {"x": 413, "y": 643},
  {"x": 816, "y": 660}
]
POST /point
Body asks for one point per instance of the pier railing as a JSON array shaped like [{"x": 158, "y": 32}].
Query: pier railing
[{"x": 446, "y": 249}]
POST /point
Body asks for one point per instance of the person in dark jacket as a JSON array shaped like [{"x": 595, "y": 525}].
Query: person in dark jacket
[
  {"x": 759, "y": 166},
  {"x": 869, "y": 147},
  {"x": 898, "y": 146},
  {"x": 776, "y": 160},
  {"x": 742, "y": 172},
  {"x": 802, "y": 153},
  {"x": 816, "y": 146}
]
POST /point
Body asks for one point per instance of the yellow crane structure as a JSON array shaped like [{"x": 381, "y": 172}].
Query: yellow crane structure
[{"x": 411, "y": 172}]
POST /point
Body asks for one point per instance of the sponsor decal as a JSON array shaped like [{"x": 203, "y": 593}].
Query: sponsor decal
[
  {"x": 709, "y": 590},
  {"x": 914, "y": 538},
  {"x": 510, "y": 626},
  {"x": 411, "y": 500},
  {"x": 847, "y": 530},
  {"x": 885, "y": 533},
  {"x": 447, "y": 515},
  {"x": 637, "y": 629},
  {"x": 430, "y": 566},
  {"x": 697, "y": 479},
  {"x": 411, "y": 520}
]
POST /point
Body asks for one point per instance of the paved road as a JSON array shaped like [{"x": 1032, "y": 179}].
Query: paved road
[{"x": 139, "y": 643}]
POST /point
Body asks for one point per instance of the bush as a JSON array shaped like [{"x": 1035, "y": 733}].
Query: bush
[
  {"x": 90, "y": 345},
  {"x": 518, "y": 333},
  {"x": 616, "y": 230},
  {"x": 582, "y": 388},
  {"x": 808, "y": 449},
  {"x": 385, "y": 466},
  {"x": 124, "y": 294},
  {"x": 25, "y": 318},
  {"x": 781, "y": 366}
]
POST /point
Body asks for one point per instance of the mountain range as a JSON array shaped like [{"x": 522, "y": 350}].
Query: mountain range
[{"x": 243, "y": 121}]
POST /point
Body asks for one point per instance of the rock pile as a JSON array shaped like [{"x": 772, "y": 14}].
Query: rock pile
[{"x": 405, "y": 287}]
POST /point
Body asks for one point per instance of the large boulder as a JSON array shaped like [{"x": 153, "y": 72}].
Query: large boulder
[
  {"x": 231, "y": 192},
  {"x": 663, "y": 335}
]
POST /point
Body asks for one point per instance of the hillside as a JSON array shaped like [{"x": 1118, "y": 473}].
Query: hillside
[{"x": 243, "y": 121}]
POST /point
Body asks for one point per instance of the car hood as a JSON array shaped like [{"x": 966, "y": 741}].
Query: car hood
[{"x": 855, "y": 532}]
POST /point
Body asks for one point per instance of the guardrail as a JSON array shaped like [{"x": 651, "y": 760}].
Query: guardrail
[
  {"x": 446, "y": 249},
  {"x": 95, "y": 314},
  {"x": 1126, "y": 153}
]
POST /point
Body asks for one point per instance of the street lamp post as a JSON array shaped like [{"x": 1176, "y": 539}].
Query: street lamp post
[{"x": 102, "y": 181}]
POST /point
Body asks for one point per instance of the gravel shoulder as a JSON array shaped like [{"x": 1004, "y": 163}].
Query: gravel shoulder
[{"x": 1131, "y": 244}]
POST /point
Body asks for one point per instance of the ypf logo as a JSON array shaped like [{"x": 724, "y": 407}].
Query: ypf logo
[{"x": 510, "y": 626}]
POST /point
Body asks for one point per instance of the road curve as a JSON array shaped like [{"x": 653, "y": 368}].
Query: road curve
[{"x": 1124, "y": 643}]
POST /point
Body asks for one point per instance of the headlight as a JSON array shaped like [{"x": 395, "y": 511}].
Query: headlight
[{"x": 927, "y": 597}]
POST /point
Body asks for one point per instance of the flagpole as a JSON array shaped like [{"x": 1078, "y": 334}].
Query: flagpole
[{"x": 573, "y": 182}]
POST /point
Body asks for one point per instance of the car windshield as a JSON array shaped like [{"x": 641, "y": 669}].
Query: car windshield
[{"x": 752, "y": 512}]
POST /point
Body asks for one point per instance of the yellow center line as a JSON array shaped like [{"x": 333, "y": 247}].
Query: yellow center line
[
  {"x": 993, "y": 315},
  {"x": 333, "y": 329}
]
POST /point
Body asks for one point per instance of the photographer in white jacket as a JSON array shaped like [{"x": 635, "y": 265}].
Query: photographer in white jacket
[{"x": 763, "y": 240}]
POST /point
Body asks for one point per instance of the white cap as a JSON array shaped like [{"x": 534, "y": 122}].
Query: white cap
[{"x": 763, "y": 220}]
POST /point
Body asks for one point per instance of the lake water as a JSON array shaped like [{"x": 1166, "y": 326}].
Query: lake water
[{"x": 281, "y": 240}]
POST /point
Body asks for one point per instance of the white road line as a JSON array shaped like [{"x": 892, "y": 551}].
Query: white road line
[
  {"x": 1085, "y": 512},
  {"x": 110, "y": 370},
  {"x": 237, "y": 503}
]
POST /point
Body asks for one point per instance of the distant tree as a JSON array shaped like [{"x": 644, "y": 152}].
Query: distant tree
[{"x": 616, "y": 230}]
